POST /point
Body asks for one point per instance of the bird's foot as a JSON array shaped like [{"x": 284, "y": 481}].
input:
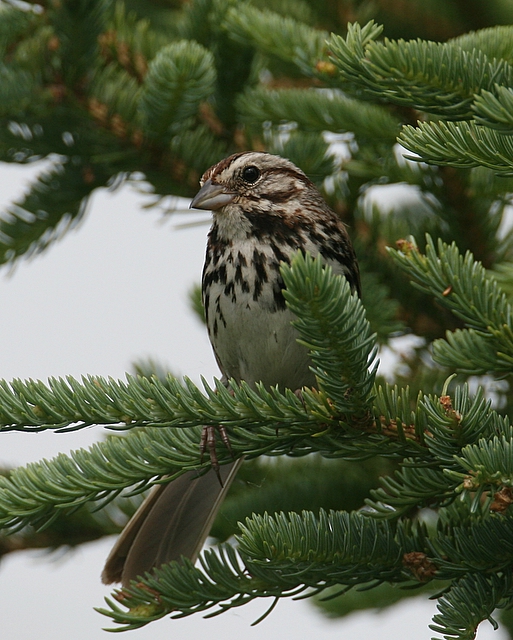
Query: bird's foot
[
  {"x": 208, "y": 442},
  {"x": 299, "y": 394}
]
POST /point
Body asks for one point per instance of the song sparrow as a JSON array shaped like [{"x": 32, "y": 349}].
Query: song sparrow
[{"x": 265, "y": 208}]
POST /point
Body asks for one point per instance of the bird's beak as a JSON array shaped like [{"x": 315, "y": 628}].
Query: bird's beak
[{"x": 211, "y": 197}]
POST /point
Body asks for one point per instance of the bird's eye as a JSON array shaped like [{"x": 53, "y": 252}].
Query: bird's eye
[{"x": 250, "y": 174}]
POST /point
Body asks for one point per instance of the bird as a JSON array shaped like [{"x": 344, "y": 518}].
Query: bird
[{"x": 264, "y": 209}]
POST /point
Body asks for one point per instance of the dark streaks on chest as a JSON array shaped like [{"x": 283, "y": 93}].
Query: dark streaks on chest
[
  {"x": 279, "y": 300},
  {"x": 278, "y": 253},
  {"x": 261, "y": 276},
  {"x": 240, "y": 264},
  {"x": 261, "y": 263},
  {"x": 218, "y": 316},
  {"x": 216, "y": 275},
  {"x": 273, "y": 229},
  {"x": 216, "y": 247},
  {"x": 335, "y": 246}
]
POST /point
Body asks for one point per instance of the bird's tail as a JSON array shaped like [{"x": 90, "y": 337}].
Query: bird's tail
[{"x": 173, "y": 521}]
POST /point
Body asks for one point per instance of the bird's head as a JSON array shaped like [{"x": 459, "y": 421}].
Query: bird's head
[{"x": 251, "y": 180}]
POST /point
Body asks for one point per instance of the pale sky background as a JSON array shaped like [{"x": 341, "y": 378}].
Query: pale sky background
[{"x": 112, "y": 291}]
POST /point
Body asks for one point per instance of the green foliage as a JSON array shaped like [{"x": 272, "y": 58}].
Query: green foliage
[
  {"x": 139, "y": 38},
  {"x": 327, "y": 550},
  {"x": 381, "y": 309},
  {"x": 319, "y": 560},
  {"x": 465, "y": 79},
  {"x": 461, "y": 285},
  {"x": 318, "y": 110},
  {"x": 77, "y": 26},
  {"x": 16, "y": 89},
  {"x": 337, "y": 602},
  {"x": 276, "y": 35},
  {"x": 312, "y": 483},
  {"x": 45, "y": 213},
  {"x": 196, "y": 302},
  {"x": 179, "y": 78},
  {"x": 477, "y": 596},
  {"x": 440, "y": 79},
  {"x": 58, "y": 198},
  {"x": 118, "y": 91},
  {"x": 495, "y": 110},
  {"x": 465, "y": 144},
  {"x": 341, "y": 356},
  {"x": 65, "y": 531},
  {"x": 194, "y": 146},
  {"x": 140, "y": 458},
  {"x": 14, "y": 23},
  {"x": 102, "y": 91},
  {"x": 426, "y": 480},
  {"x": 495, "y": 42}
]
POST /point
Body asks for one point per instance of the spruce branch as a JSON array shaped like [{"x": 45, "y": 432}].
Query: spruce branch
[
  {"x": 393, "y": 405},
  {"x": 318, "y": 110},
  {"x": 270, "y": 33},
  {"x": 336, "y": 537},
  {"x": 309, "y": 151},
  {"x": 77, "y": 25},
  {"x": 55, "y": 203},
  {"x": 338, "y": 603},
  {"x": 283, "y": 555},
  {"x": 335, "y": 420},
  {"x": 84, "y": 158},
  {"x": 309, "y": 483},
  {"x": 36, "y": 493},
  {"x": 69, "y": 404},
  {"x": 495, "y": 110},
  {"x": 114, "y": 93},
  {"x": 198, "y": 148},
  {"x": 459, "y": 144},
  {"x": 481, "y": 543},
  {"x": 278, "y": 556},
  {"x": 331, "y": 322},
  {"x": 458, "y": 282},
  {"x": 183, "y": 111},
  {"x": 349, "y": 53},
  {"x": 495, "y": 42},
  {"x": 130, "y": 42},
  {"x": 381, "y": 309},
  {"x": 333, "y": 326},
  {"x": 441, "y": 79},
  {"x": 180, "y": 77},
  {"x": 425, "y": 479},
  {"x": 470, "y": 601},
  {"x": 488, "y": 463},
  {"x": 14, "y": 23},
  {"x": 462, "y": 285},
  {"x": 17, "y": 89},
  {"x": 204, "y": 21},
  {"x": 470, "y": 352}
]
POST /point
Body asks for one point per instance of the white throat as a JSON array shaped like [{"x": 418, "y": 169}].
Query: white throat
[{"x": 232, "y": 224}]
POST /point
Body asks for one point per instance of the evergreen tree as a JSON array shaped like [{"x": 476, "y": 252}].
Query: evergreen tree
[{"x": 112, "y": 91}]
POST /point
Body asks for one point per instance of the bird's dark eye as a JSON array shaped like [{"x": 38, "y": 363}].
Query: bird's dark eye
[{"x": 250, "y": 174}]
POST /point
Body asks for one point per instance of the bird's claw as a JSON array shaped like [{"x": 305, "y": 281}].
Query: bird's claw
[{"x": 208, "y": 442}]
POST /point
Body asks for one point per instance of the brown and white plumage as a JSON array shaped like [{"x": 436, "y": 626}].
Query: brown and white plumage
[
  {"x": 259, "y": 225},
  {"x": 265, "y": 209}
]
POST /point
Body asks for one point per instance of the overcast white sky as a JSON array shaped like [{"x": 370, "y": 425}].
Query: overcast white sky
[{"x": 110, "y": 292}]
